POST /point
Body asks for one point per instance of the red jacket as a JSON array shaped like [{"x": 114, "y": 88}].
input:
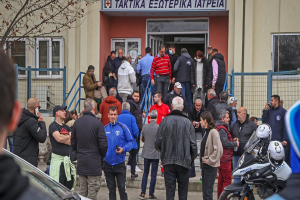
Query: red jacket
[
  {"x": 162, "y": 111},
  {"x": 161, "y": 66},
  {"x": 227, "y": 153},
  {"x": 109, "y": 101}
]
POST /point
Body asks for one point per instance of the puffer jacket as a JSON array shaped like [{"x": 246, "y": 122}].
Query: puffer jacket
[
  {"x": 27, "y": 137},
  {"x": 217, "y": 107},
  {"x": 129, "y": 120},
  {"x": 126, "y": 78},
  {"x": 226, "y": 140},
  {"x": 176, "y": 140},
  {"x": 136, "y": 111},
  {"x": 243, "y": 132},
  {"x": 89, "y": 84},
  {"x": 109, "y": 101}
]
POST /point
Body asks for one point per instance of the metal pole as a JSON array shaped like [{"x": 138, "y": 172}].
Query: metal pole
[
  {"x": 17, "y": 76},
  {"x": 243, "y": 54},
  {"x": 29, "y": 83},
  {"x": 64, "y": 85}
]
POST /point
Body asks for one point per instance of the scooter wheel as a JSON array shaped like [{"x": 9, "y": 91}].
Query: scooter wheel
[{"x": 229, "y": 195}]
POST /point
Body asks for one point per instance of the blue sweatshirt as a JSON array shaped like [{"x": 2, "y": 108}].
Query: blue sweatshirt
[
  {"x": 276, "y": 119},
  {"x": 116, "y": 63},
  {"x": 129, "y": 120},
  {"x": 117, "y": 134}
]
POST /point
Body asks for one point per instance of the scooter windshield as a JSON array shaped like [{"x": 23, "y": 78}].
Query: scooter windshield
[{"x": 252, "y": 142}]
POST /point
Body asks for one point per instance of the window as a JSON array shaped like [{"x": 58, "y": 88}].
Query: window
[
  {"x": 130, "y": 46},
  {"x": 17, "y": 51},
  {"x": 285, "y": 52},
  {"x": 49, "y": 54}
]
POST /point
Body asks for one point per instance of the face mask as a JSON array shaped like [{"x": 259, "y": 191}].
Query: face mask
[
  {"x": 37, "y": 111},
  {"x": 198, "y": 60},
  {"x": 139, "y": 60},
  {"x": 170, "y": 52},
  {"x": 233, "y": 108}
]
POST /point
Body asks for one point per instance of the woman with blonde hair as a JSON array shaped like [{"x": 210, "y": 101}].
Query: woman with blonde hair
[{"x": 211, "y": 151}]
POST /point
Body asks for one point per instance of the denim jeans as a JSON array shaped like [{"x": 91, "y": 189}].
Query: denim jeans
[
  {"x": 236, "y": 179},
  {"x": 154, "y": 168},
  {"x": 186, "y": 91},
  {"x": 145, "y": 80},
  {"x": 11, "y": 143}
]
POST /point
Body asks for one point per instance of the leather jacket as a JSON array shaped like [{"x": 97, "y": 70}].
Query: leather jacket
[{"x": 176, "y": 140}]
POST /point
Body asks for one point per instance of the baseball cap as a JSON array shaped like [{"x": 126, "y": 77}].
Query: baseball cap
[
  {"x": 178, "y": 85},
  {"x": 57, "y": 108}
]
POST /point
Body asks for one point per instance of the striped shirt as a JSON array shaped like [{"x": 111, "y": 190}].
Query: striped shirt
[{"x": 161, "y": 66}]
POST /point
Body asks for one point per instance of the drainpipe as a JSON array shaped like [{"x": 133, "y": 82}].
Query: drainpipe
[{"x": 243, "y": 54}]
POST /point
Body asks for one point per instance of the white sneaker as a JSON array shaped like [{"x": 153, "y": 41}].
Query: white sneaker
[
  {"x": 128, "y": 167},
  {"x": 137, "y": 169}
]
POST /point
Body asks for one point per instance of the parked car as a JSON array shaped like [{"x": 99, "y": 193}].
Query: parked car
[{"x": 42, "y": 181}]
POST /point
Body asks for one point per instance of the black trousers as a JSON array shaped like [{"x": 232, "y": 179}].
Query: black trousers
[
  {"x": 181, "y": 174},
  {"x": 132, "y": 159},
  {"x": 218, "y": 89},
  {"x": 63, "y": 178},
  {"x": 111, "y": 174},
  {"x": 208, "y": 180},
  {"x": 287, "y": 152}
]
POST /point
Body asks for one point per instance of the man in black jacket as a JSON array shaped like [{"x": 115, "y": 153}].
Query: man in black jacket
[
  {"x": 107, "y": 77},
  {"x": 90, "y": 142},
  {"x": 178, "y": 155},
  {"x": 194, "y": 115},
  {"x": 242, "y": 129},
  {"x": 218, "y": 71},
  {"x": 184, "y": 69},
  {"x": 212, "y": 99},
  {"x": 31, "y": 130},
  {"x": 175, "y": 93},
  {"x": 173, "y": 58},
  {"x": 13, "y": 185},
  {"x": 217, "y": 107}
]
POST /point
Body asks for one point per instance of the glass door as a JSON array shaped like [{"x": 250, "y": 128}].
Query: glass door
[
  {"x": 154, "y": 43},
  {"x": 130, "y": 46}
]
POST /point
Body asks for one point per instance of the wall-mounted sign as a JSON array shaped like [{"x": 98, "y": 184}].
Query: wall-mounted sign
[{"x": 163, "y": 5}]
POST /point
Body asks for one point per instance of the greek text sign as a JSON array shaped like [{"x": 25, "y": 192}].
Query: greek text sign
[{"x": 163, "y": 5}]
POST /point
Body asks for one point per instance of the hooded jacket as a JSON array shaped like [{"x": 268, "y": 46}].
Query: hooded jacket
[
  {"x": 89, "y": 84},
  {"x": 176, "y": 140},
  {"x": 226, "y": 140},
  {"x": 243, "y": 132},
  {"x": 27, "y": 137},
  {"x": 117, "y": 134},
  {"x": 170, "y": 96},
  {"x": 126, "y": 78},
  {"x": 129, "y": 120},
  {"x": 109, "y": 101},
  {"x": 221, "y": 69},
  {"x": 106, "y": 70},
  {"x": 15, "y": 186},
  {"x": 184, "y": 69},
  {"x": 89, "y": 140},
  {"x": 136, "y": 111},
  {"x": 217, "y": 107}
]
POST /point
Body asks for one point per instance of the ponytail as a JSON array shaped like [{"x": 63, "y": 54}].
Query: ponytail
[
  {"x": 206, "y": 115},
  {"x": 212, "y": 125}
]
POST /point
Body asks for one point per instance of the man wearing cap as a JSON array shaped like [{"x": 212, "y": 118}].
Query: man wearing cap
[
  {"x": 143, "y": 68},
  {"x": 61, "y": 167},
  {"x": 175, "y": 93}
]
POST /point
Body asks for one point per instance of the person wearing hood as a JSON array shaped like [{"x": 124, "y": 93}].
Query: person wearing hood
[
  {"x": 242, "y": 129},
  {"x": 173, "y": 58},
  {"x": 30, "y": 132},
  {"x": 175, "y": 93},
  {"x": 184, "y": 70},
  {"x": 200, "y": 68},
  {"x": 218, "y": 74},
  {"x": 107, "y": 77},
  {"x": 126, "y": 78},
  {"x": 228, "y": 144},
  {"x": 109, "y": 101},
  {"x": 136, "y": 85},
  {"x": 92, "y": 88}
]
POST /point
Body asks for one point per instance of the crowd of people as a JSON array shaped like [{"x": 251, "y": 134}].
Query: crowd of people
[{"x": 189, "y": 104}]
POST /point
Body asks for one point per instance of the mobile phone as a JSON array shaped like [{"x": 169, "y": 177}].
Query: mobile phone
[{"x": 117, "y": 147}]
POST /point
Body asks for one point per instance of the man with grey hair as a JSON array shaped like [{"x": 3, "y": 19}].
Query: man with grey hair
[
  {"x": 116, "y": 63},
  {"x": 129, "y": 120},
  {"x": 90, "y": 142},
  {"x": 228, "y": 144},
  {"x": 176, "y": 140},
  {"x": 126, "y": 78},
  {"x": 194, "y": 115},
  {"x": 150, "y": 155},
  {"x": 184, "y": 74},
  {"x": 212, "y": 99}
]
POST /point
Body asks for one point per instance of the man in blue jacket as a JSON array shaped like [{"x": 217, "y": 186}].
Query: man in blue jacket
[
  {"x": 274, "y": 115},
  {"x": 129, "y": 120},
  {"x": 119, "y": 141}
]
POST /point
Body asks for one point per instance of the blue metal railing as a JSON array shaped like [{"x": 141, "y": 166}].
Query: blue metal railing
[{"x": 147, "y": 101}]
